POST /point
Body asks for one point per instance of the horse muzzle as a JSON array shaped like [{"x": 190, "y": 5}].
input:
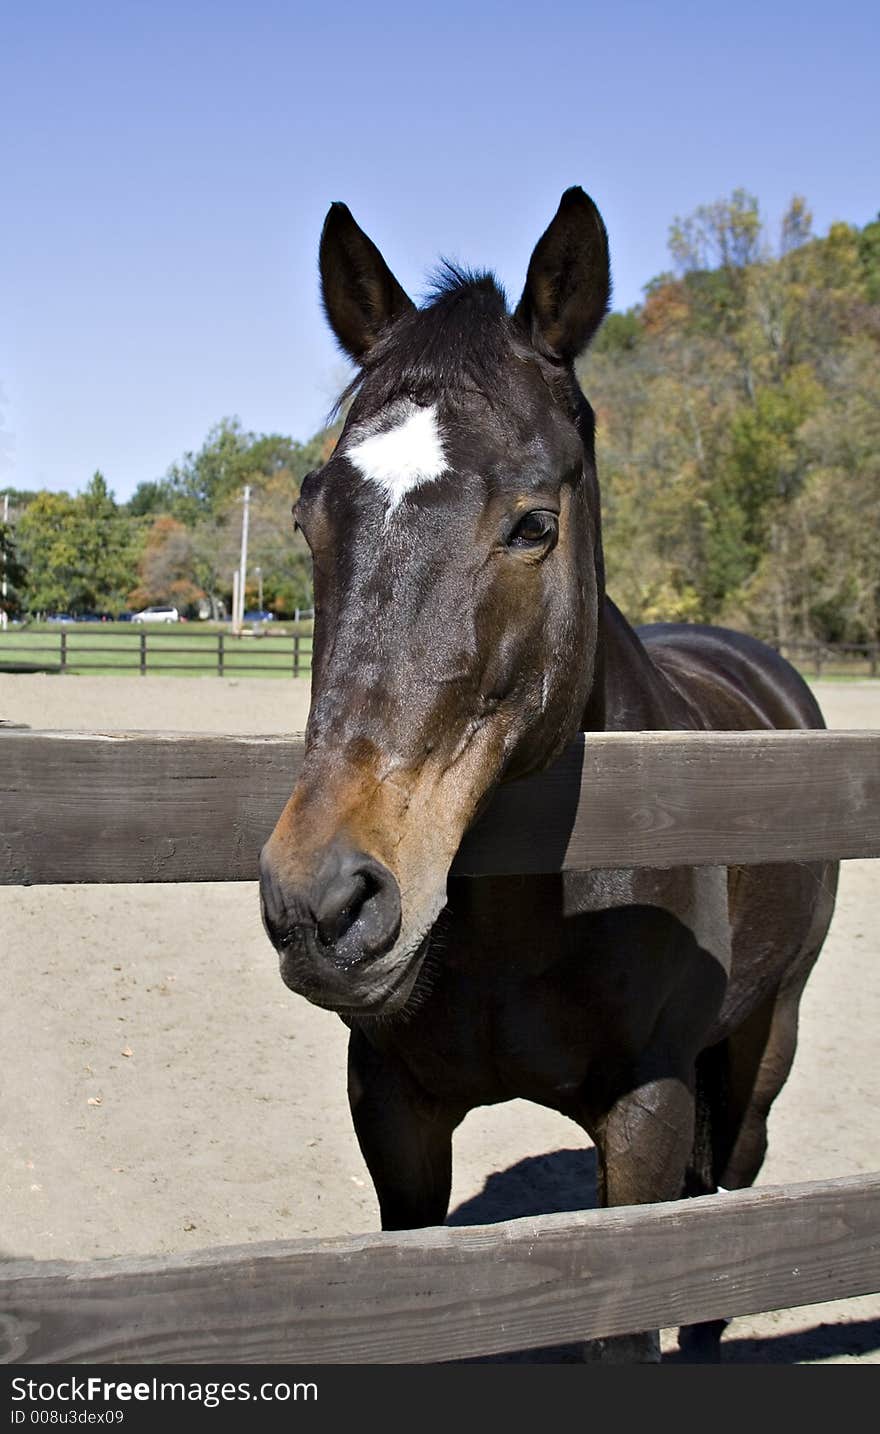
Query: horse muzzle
[{"x": 336, "y": 930}]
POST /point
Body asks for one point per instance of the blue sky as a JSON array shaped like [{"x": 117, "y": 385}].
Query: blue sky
[{"x": 167, "y": 168}]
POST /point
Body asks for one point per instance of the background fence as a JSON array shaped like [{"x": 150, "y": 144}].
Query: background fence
[
  {"x": 146, "y": 807},
  {"x": 87, "y": 648},
  {"x": 847, "y": 659},
  {"x": 260, "y": 651},
  {"x": 145, "y": 650}
]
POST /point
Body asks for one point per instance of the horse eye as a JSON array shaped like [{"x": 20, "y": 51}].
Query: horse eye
[{"x": 535, "y": 529}]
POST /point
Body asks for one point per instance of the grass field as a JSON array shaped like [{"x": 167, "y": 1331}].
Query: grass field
[{"x": 176, "y": 650}]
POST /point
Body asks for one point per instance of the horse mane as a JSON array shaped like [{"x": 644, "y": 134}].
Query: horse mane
[{"x": 460, "y": 341}]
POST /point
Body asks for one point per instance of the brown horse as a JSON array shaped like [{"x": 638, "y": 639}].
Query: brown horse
[{"x": 463, "y": 636}]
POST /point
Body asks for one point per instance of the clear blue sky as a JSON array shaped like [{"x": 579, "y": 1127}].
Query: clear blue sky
[{"x": 167, "y": 167}]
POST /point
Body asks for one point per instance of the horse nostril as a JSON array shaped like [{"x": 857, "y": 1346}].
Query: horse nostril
[
  {"x": 339, "y": 906},
  {"x": 347, "y": 911},
  {"x": 360, "y": 902}
]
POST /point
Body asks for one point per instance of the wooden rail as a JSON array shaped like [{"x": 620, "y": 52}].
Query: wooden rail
[
  {"x": 824, "y": 655},
  {"x": 425, "y": 1296},
  {"x": 86, "y": 647},
  {"x": 147, "y": 650},
  {"x": 86, "y": 807}
]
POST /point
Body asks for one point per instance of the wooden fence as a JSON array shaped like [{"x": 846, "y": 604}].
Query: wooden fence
[
  {"x": 150, "y": 650},
  {"x": 147, "y": 807},
  {"x": 260, "y": 651},
  {"x": 844, "y": 658}
]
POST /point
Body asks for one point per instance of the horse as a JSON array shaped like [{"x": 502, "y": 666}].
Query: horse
[{"x": 463, "y": 636}]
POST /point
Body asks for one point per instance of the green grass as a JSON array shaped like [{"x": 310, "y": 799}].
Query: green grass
[{"x": 178, "y": 650}]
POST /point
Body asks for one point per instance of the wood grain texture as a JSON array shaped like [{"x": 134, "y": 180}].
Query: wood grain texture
[
  {"x": 425, "y": 1296},
  {"x": 132, "y": 807}
]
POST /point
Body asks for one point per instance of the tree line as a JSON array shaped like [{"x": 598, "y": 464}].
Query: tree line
[
  {"x": 738, "y": 443},
  {"x": 177, "y": 539},
  {"x": 738, "y": 429}
]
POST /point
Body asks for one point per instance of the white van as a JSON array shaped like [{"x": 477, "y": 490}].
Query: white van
[{"x": 156, "y": 614}]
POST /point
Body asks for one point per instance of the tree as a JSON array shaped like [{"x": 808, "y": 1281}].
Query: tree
[
  {"x": 206, "y": 494},
  {"x": 228, "y": 459},
  {"x": 80, "y": 553},
  {"x": 737, "y": 430},
  {"x": 273, "y": 546},
  {"x": 150, "y": 498},
  {"x": 726, "y": 234},
  {"x": 13, "y": 578},
  {"x": 166, "y": 567},
  {"x": 797, "y": 224}
]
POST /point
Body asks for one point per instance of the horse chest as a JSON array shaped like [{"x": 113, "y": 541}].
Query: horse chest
[
  {"x": 538, "y": 989},
  {"x": 477, "y": 1041}
]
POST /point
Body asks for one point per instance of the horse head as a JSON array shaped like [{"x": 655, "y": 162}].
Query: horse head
[{"x": 458, "y": 573}]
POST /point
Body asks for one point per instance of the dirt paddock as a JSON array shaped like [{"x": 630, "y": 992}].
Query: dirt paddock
[{"x": 162, "y": 1091}]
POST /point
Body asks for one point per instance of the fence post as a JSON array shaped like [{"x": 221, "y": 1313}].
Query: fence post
[
  {"x": 63, "y": 650},
  {"x": 143, "y": 655},
  {"x": 296, "y": 654},
  {"x": 220, "y": 654}
]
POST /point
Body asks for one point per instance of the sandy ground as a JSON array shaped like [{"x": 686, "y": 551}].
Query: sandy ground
[{"x": 164, "y": 1092}]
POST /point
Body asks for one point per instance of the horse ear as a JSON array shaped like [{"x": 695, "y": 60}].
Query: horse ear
[
  {"x": 568, "y": 285},
  {"x": 361, "y": 295}
]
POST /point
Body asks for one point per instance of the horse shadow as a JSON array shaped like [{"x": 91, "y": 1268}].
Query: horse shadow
[
  {"x": 565, "y": 1180},
  {"x": 539, "y": 1185}
]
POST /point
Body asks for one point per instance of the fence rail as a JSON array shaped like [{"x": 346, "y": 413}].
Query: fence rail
[
  {"x": 147, "y": 807},
  {"x": 146, "y": 651},
  {"x": 825, "y": 656},
  {"x": 425, "y": 1296},
  {"x": 180, "y": 807}
]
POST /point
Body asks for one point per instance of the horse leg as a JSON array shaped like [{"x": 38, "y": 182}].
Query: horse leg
[
  {"x": 701, "y": 1343},
  {"x": 643, "y": 1144},
  {"x": 405, "y": 1138},
  {"x": 742, "y": 1077},
  {"x": 758, "y": 1071}
]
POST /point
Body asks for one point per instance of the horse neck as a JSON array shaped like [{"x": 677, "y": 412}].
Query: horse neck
[{"x": 629, "y": 693}]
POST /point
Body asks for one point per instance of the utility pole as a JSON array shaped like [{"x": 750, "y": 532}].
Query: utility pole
[
  {"x": 259, "y": 573},
  {"x": 242, "y": 570}
]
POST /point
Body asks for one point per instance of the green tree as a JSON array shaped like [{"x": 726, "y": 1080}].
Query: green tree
[
  {"x": 797, "y": 224},
  {"x": 869, "y": 253},
  {"x": 207, "y": 494},
  {"x": 13, "y": 578},
  {"x": 229, "y": 458},
  {"x": 737, "y": 436},
  {"x": 150, "y": 498},
  {"x": 725, "y": 235},
  {"x": 80, "y": 552}
]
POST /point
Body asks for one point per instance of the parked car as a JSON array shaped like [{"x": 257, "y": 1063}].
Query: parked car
[
  {"x": 156, "y": 614},
  {"x": 262, "y": 616},
  {"x": 59, "y": 617}
]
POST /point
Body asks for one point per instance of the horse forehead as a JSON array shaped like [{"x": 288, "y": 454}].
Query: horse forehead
[
  {"x": 407, "y": 446},
  {"x": 399, "y": 450}
]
